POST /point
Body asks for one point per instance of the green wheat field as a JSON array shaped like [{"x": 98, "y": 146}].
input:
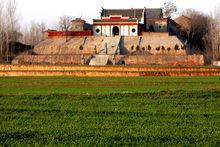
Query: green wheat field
[{"x": 109, "y": 111}]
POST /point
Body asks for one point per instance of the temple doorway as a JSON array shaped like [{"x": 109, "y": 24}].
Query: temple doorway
[{"x": 115, "y": 31}]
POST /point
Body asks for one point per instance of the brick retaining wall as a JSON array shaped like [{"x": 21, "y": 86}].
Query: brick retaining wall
[
  {"x": 48, "y": 70},
  {"x": 170, "y": 60},
  {"x": 183, "y": 60}
]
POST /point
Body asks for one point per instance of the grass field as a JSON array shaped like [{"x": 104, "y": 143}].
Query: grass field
[{"x": 109, "y": 111}]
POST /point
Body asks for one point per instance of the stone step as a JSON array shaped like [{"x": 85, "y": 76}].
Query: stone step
[
  {"x": 99, "y": 60},
  {"x": 111, "y": 44}
]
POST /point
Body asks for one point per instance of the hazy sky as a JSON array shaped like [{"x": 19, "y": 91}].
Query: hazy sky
[{"x": 49, "y": 11}]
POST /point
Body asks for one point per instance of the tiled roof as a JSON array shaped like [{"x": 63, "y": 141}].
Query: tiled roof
[
  {"x": 154, "y": 13},
  {"x": 133, "y": 13},
  {"x": 110, "y": 20},
  {"x": 183, "y": 21},
  {"x": 78, "y": 20}
]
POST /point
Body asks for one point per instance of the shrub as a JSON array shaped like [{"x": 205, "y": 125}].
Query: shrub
[
  {"x": 149, "y": 47},
  {"x": 143, "y": 48},
  {"x": 176, "y": 47},
  {"x": 158, "y": 48},
  {"x": 81, "y": 47},
  {"x": 132, "y": 47},
  {"x": 137, "y": 47},
  {"x": 168, "y": 48},
  {"x": 183, "y": 47},
  {"x": 163, "y": 48}
]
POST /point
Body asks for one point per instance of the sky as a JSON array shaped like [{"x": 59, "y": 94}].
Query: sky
[{"x": 49, "y": 11}]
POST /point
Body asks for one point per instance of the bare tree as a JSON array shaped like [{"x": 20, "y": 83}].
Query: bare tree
[
  {"x": 198, "y": 29},
  {"x": 169, "y": 8},
  {"x": 199, "y": 21},
  {"x": 34, "y": 34},
  {"x": 205, "y": 32},
  {"x": 1, "y": 27},
  {"x": 64, "y": 24},
  {"x": 9, "y": 26},
  {"x": 213, "y": 35},
  {"x": 12, "y": 25}
]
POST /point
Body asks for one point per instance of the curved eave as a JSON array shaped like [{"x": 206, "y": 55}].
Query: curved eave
[{"x": 115, "y": 23}]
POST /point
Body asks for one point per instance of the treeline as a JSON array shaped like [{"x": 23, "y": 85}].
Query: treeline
[
  {"x": 213, "y": 35},
  {"x": 204, "y": 33},
  {"x": 9, "y": 25},
  {"x": 12, "y": 30}
]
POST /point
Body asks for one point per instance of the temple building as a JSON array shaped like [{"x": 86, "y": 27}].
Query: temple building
[
  {"x": 129, "y": 22},
  {"x": 116, "y": 25}
]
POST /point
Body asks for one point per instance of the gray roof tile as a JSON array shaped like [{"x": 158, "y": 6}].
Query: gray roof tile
[
  {"x": 154, "y": 13},
  {"x": 134, "y": 13}
]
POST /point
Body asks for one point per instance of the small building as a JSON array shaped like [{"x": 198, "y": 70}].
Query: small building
[
  {"x": 184, "y": 22},
  {"x": 181, "y": 24},
  {"x": 181, "y": 27},
  {"x": 116, "y": 25},
  {"x": 157, "y": 25},
  {"x": 122, "y": 22},
  {"x": 131, "y": 13},
  {"x": 47, "y": 32},
  {"x": 79, "y": 25},
  {"x": 154, "y": 20},
  {"x": 129, "y": 22}
]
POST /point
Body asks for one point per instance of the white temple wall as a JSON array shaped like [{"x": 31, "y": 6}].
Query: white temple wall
[
  {"x": 134, "y": 30},
  {"x": 107, "y": 30},
  {"x": 97, "y": 30}
]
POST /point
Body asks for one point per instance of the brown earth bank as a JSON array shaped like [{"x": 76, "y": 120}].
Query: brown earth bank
[
  {"x": 38, "y": 67},
  {"x": 101, "y": 71}
]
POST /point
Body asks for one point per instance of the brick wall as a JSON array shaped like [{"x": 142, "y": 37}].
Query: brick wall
[
  {"x": 172, "y": 60},
  {"x": 72, "y": 33},
  {"x": 58, "y": 51},
  {"x": 157, "y": 42},
  {"x": 50, "y": 59}
]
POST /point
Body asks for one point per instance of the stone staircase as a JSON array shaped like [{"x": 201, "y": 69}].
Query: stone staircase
[
  {"x": 99, "y": 60},
  {"x": 110, "y": 46}
]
